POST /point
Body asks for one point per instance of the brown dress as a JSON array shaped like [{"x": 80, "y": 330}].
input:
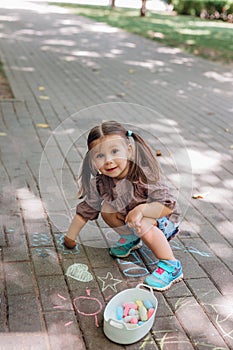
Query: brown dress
[{"x": 124, "y": 195}]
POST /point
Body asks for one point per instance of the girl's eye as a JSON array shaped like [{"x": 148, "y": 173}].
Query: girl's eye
[
  {"x": 115, "y": 150},
  {"x": 99, "y": 156}
]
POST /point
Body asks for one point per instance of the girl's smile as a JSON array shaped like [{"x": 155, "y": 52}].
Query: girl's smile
[{"x": 110, "y": 156}]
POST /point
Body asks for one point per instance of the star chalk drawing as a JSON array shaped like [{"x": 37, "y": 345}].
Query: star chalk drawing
[{"x": 109, "y": 282}]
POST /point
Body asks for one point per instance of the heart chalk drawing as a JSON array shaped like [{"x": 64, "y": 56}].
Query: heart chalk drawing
[{"x": 79, "y": 272}]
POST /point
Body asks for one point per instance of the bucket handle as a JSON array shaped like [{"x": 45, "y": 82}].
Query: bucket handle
[
  {"x": 116, "y": 324},
  {"x": 146, "y": 286}
]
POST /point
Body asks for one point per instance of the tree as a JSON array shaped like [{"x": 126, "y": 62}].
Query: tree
[
  {"x": 143, "y": 8},
  {"x": 112, "y": 3},
  {"x": 142, "y": 11}
]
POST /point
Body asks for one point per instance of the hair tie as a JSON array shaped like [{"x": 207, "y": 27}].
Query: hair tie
[{"x": 129, "y": 133}]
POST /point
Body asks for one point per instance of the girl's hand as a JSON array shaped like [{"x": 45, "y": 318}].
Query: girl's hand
[{"x": 134, "y": 218}]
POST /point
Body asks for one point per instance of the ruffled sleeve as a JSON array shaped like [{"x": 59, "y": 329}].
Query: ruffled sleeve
[
  {"x": 91, "y": 206},
  {"x": 160, "y": 192}
]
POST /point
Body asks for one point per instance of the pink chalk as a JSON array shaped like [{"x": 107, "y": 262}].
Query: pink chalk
[
  {"x": 150, "y": 312},
  {"x": 131, "y": 305},
  {"x": 134, "y": 320},
  {"x": 127, "y": 307},
  {"x": 126, "y": 311}
]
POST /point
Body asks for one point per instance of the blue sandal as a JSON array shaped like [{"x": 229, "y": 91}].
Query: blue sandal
[
  {"x": 125, "y": 245},
  {"x": 166, "y": 273}
]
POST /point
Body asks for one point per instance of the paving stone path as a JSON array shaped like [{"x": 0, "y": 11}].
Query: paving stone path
[{"x": 68, "y": 73}]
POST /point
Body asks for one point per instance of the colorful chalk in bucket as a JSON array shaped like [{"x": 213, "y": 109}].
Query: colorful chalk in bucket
[
  {"x": 123, "y": 323},
  {"x": 135, "y": 312}
]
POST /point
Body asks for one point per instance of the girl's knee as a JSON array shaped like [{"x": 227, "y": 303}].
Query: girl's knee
[{"x": 107, "y": 213}]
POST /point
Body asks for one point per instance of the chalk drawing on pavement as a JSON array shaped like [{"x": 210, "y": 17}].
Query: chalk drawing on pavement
[
  {"x": 79, "y": 272},
  {"x": 88, "y": 306},
  {"x": 109, "y": 282}
]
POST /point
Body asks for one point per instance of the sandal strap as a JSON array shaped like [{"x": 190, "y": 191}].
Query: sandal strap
[{"x": 165, "y": 266}]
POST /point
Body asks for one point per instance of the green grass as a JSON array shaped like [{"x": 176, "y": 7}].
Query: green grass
[{"x": 209, "y": 39}]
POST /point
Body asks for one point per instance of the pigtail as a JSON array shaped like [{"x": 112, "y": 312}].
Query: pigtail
[
  {"x": 85, "y": 176},
  {"x": 144, "y": 157}
]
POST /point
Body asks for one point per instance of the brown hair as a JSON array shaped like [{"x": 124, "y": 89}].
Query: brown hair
[{"x": 143, "y": 156}]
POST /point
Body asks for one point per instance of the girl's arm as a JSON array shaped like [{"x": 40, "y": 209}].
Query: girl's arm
[
  {"x": 76, "y": 225},
  {"x": 152, "y": 210}
]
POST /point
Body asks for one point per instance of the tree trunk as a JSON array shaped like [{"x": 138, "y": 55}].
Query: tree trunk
[
  {"x": 143, "y": 8},
  {"x": 112, "y": 3}
]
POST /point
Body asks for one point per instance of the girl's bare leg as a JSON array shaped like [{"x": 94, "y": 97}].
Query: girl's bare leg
[
  {"x": 155, "y": 239},
  {"x": 76, "y": 225}
]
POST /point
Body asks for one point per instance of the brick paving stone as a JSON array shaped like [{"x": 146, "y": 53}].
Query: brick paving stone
[
  {"x": 54, "y": 293},
  {"x": 146, "y": 343},
  {"x": 169, "y": 334},
  {"x": 196, "y": 323},
  {"x": 24, "y": 340},
  {"x": 45, "y": 261},
  {"x": 89, "y": 308},
  {"x": 65, "y": 75},
  {"x": 218, "y": 307},
  {"x": 38, "y": 234},
  {"x": 16, "y": 254},
  {"x": 110, "y": 281},
  {"x": 164, "y": 308},
  {"x": 19, "y": 277},
  {"x": 91, "y": 236},
  {"x": 220, "y": 274},
  {"x": 179, "y": 290},
  {"x": 102, "y": 257},
  {"x": 75, "y": 284},
  {"x": 63, "y": 331},
  {"x": 24, "y": 307}
]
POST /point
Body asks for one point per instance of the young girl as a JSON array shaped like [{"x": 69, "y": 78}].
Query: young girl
[{"x": 122, "y": 181}]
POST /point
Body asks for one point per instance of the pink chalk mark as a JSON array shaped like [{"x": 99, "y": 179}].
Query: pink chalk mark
[
  {"x": 68, "y": 323},
  {"x": 60, "y": 296},
  {"x": 58, "y": 307},
  {"x": 96, "y": 321},
  {"x": 88, "y": 291}
]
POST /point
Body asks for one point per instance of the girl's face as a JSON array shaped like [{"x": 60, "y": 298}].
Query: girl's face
[{"x": 110, "y": 156}]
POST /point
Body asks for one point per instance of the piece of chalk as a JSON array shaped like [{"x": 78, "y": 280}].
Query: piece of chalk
[
  {"x": 127, "y": 319},
  {"x": 139, "y": 303},
  {"x": 126, "y": 310},
  {"x": 119, "y": 313},
  {"x": 131, "y": 305},
  {"x": 134, "y": 320},
  {"x": 148, "y": 304},
  {"x": 150, "y": 312},
  {"x": 133, "y": 312},
  {"x": 143, "y": 313}
]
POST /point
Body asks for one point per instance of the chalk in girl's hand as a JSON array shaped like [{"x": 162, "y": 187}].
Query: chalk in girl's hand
[
  {"x": 119, "y": 313},
  {"x": 139, "y": 303},
  {"x": 140, "y": 323},
  {"x": 143, "y": 313},
  {"x": 148, "y": 304},
  {"x": 150, "y": 312}
]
